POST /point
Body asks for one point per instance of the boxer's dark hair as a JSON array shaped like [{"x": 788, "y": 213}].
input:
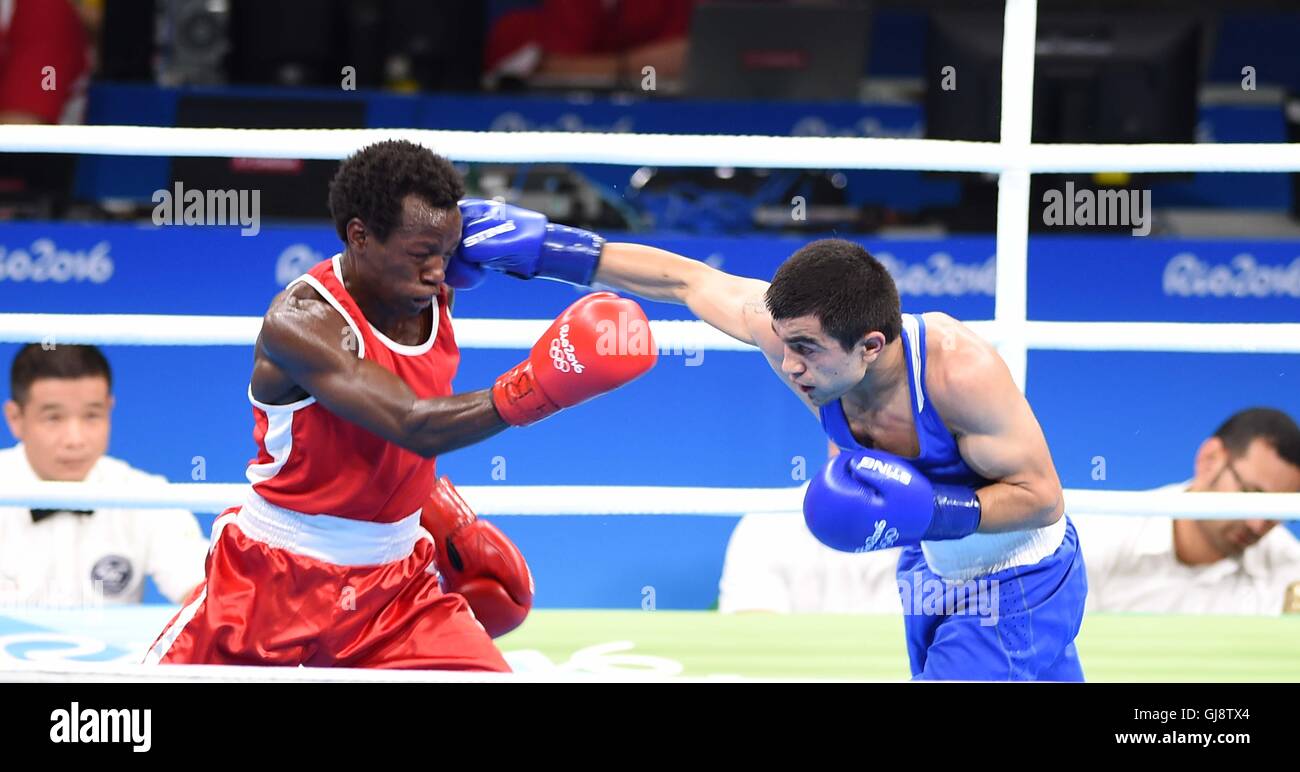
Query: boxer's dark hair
[
  {"x": 840, "y": 283},
  {"x": 371, "y": 183},
  {"x": 1262, "y": 423},
  {"x": 36, "y": 361}
]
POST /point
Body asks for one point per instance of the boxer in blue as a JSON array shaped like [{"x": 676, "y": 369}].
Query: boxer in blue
[{"x": 939, "y": 452}]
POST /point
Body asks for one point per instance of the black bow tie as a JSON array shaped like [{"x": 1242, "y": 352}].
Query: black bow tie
[{"x": 40, "y": 514}]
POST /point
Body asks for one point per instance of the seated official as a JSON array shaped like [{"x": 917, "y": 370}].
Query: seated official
[
  {"x": 1163, "y": 564},
  {"x": 774, "y": 564},
  {"x": 60, "y": 410}
]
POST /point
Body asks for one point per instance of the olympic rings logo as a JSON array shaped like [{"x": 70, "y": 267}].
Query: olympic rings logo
[{"x": 562, "y": 353}]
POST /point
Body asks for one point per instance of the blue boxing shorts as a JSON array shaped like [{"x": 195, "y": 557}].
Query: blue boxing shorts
[{"x": 1018, "y": 624}]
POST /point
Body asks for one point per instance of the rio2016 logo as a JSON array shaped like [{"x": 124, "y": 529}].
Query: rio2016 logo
[
  {"x": 562, "y": 352},
  {"x": 44, "y": 261}
]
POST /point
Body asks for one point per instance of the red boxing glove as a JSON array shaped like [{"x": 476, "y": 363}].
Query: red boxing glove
[
  {"x": 477, "y": 561},
  {"x": 598, "y": 344}
]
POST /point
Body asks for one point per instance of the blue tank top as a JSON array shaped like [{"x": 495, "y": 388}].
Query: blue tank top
[{"x": 939, "y": 459}]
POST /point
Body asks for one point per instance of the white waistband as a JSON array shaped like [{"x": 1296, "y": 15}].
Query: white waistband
[
  {"x": 329, "y": 538},
  {"x": 986, "y": 553}
]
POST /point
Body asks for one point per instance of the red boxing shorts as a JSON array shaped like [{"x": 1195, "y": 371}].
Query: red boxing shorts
[{"x": 289, "y": 589}]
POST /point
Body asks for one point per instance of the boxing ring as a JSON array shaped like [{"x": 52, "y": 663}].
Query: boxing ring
[{"x": 1014, "y": 159}]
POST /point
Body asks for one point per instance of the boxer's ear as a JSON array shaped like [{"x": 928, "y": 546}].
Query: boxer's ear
[
  {"x": 356, "y": 232},
  {"x": 871, "y": 346}
]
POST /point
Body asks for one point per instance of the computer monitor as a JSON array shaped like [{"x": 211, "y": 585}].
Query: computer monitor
[
  {"x": 1099, "y": 77},
  {"x": 289, "y": 188},
  {"x": 791, "y": 51}
]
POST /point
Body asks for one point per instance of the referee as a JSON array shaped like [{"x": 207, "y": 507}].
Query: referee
[{"x": 59, "y": 410}]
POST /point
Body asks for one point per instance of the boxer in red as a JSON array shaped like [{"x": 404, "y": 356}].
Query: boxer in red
[{"x": 334, "y": 558}]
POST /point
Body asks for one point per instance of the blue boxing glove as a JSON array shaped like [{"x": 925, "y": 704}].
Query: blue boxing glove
[
  {"x": 870, "y": 500},
  {"x": 522, "y": 243}
]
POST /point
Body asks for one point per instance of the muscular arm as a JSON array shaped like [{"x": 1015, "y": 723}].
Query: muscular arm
[
  {"x": 302, "y": 340},
  {"x": 997, "y": 433},
  {"x": 733, "y": 304}
]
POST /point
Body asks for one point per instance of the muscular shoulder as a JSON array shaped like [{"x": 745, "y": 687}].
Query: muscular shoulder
[
  {"x": 953, "y": 350},
  {"x": 299, "y": 302},
  {"x": 965, "y": 376},
  {"x": 297, "y": 312}
]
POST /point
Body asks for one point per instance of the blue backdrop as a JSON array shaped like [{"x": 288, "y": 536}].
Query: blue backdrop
[{"x": 719, "y": 419}]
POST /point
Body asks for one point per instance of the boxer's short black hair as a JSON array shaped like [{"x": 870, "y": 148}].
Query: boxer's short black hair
[
  {"x": 371, "y": 183},
  {"x": 840, "y": 283},
  {"x": 1262, "y": 423},
  {"x": 36, "y": 361}
]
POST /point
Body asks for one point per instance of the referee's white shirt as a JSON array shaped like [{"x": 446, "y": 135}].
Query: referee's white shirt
[
  {"x": 774, "y": 564},
  {"x": 1132, "y": 567},
  {"x": 69, "y": 560}
]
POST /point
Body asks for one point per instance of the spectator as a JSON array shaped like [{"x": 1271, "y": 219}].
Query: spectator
[
  {"x": 59, "y": 409},
  {"x": 44, "y": 62},
  {"x": 1169, "y": 565},
  {"x": 595, "y": 43}
]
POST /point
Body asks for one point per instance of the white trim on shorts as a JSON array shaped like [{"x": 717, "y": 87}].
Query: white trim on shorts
[
  {"x": 328, "y": 538},
  {"x": 174, "y": 630},
  {"x": 980, "y": 554}
]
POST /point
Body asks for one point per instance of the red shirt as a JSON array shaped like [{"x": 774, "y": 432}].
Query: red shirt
[
  {"x": 609, "y": 26},
  {"x": 35, "y": 35},
  {"x": 314, "y": 462}
]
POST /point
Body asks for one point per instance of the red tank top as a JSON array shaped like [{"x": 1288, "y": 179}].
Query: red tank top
[{"x": 314, "y": 462}]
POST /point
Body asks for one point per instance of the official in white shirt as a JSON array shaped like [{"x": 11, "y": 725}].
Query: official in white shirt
[
  {"x": 774, "y": 564},
  {"x": 1170, "y": 565},
  {"x": 60, "y": 411}
]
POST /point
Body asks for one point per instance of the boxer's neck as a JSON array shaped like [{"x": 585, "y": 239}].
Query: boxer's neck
[{"x": 883, "y": 380}]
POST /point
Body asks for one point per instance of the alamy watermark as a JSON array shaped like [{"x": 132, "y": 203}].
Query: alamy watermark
[
  {"x": 106, "y": 725},
  {"x": 1098, "y": 207},
  {"x": 631, "y": 336},
  {"x": 950, "y": 597},
  {"x": 209, "y": 207}
]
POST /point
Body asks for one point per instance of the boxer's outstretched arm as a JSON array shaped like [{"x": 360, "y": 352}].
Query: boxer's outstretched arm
[
  {"x": 302, "y": 337},
  {"x": 733, "y": 304}
]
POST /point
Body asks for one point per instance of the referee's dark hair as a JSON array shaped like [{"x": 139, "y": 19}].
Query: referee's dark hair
[
  {"x": 36, "y": 361},
  {"x": 1262, "y": 423}
]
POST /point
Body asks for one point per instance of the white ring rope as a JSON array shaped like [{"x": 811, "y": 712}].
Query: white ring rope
[
  {"x": 486, "y": 499},
  {"x": 706, "y": 150},
  {"x": 671, "y": 336},
  {"x": 601, "y": 500}
]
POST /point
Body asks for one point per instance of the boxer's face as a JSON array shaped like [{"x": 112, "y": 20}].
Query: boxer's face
[
  {"x": 817, "y": 364},
  {"x": 1259, "y": 469},
  {"x": 63, "y": 425},
  {"x": 408, "y": 269}
]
